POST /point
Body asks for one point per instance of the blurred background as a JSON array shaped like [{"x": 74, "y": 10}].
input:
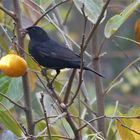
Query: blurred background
[{"x": 118, "y": 51}]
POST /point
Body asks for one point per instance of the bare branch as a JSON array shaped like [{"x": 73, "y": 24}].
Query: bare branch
[
  {"x": 45, "y": 115},
  {"x": 8, "y": 12},
  {"x": 49, "y": 10},
  {"x": 13, "y": 102},
  {"x": 82, "y": 59},
  {"x": 68, "y": 90},
  {"x": 27, "y": 95},
  {"x": 96, "y": 25}
]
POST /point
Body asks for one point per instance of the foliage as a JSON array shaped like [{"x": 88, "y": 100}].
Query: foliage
[{"x": 132, "y": 123}]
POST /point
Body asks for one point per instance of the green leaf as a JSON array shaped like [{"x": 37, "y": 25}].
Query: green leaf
[
  {"x": 132, "y": 123},
  {"x": 9, "y": 122},
  {"x": 11, "y": 87},
  {"x": 33, "y": 10},
  {"x": 124, "y": 133},
  {"x": 116, "y": 21},
  {"x": 92, "y": 8}
]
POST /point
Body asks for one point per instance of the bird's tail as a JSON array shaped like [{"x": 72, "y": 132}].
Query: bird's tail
[{"x": 86, "y": 68}]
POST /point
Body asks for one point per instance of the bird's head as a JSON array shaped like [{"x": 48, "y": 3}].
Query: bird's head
[{"x": 37, "y": 33}]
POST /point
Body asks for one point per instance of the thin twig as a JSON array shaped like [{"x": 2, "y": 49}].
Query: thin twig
[
  {"x": 109, "y": 117},
  {"x": 129, "y": 59},
  {"x": 128, "y": 39},
  {"x": 120, "y": 74},
  {"x": 92, "y": 120},
  {"x": 45, "y": 136},
  {"x": 122, "y": 117},
  {"x": 96, "y": 25},
  {"x": 45, "y": 115},
  {"x": 127, "y": 127},
  {"x": 111, "y": 122},
  {"x": 82, "y": 59},
  {"x": 68, "y": 90},
  {"x": 41, "y": 81},
  {"x": 24, "y": 130},
  {"x": 88, "y": 107},
  {"x": 16, "y": 104},
  {"x": 49, "y": 10},
  {"x": 73, "y": 125},
  {"x": 98, "y": 118},
  {"x": 52, "y": 93},
  {"x": 8, "y": 12},
  {"x": 68, "y": 13}
]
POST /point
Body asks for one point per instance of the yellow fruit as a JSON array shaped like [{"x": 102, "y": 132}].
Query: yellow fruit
[
  {"x": 137, "y": 30},
  {"x": 13, "y": 65}
]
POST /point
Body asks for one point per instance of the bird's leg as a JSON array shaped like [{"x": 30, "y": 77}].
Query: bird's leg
[
  {"x": 57, "y": 73},
  {"x": 50, "y": 83}
]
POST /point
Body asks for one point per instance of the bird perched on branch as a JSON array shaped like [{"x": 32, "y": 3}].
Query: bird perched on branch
[{"x": 50, "y": 54}]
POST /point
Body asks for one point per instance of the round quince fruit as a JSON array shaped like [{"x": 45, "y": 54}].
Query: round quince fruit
[{"x": 13, "y": 65}]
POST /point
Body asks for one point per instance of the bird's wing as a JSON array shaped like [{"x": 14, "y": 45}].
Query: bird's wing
[{"x": 56, "y": 51}]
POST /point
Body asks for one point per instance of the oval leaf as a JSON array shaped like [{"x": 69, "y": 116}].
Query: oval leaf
[
  {"x": 11, "y": 87},
  {"x": 116, "y": 21},
  {"x": 92, "y": 8},
  {"x": 9, "y": 122}
]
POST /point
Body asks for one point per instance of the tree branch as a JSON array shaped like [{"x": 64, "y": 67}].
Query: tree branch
[
  {"x": 68, "y": 90},
  {"x": 96, "y": 25},
  {"x": 96, "y": 65},
  {"x": 82, "y": 58},
  {"x": 98, "y": 88},
  {"x": 45, "y": 115},
  {"x": 49, "y": 10},
  {"x": 27, "y": 96},
  {"x": 8, "y": 12},
  {"x": 19, "y": 106}
]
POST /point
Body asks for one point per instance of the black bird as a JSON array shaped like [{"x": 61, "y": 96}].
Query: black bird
[{"x": 50, "y": 54}]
